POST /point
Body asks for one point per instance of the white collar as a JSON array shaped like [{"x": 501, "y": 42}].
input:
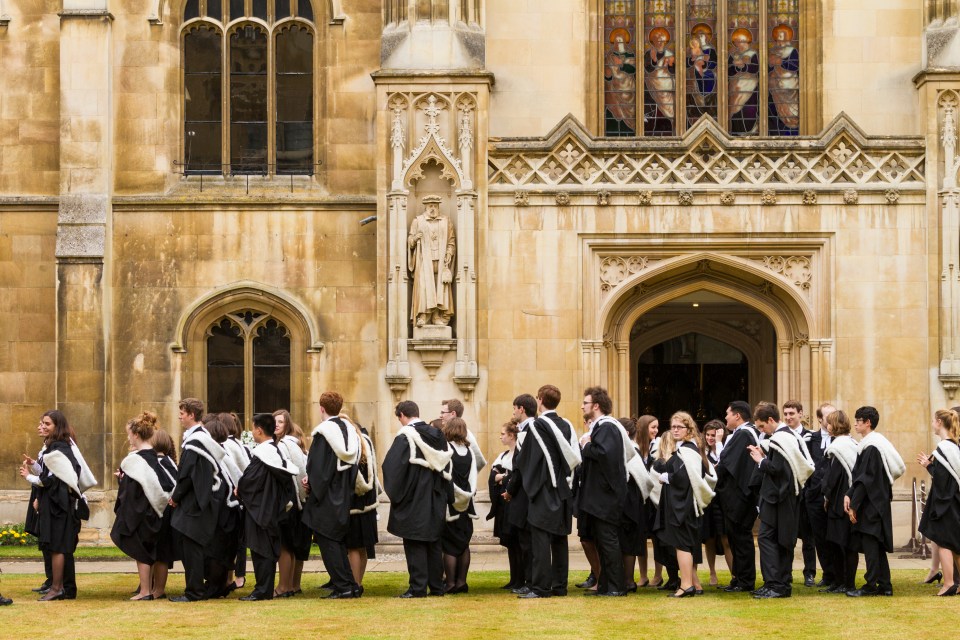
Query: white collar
[
  {"x": 798, "y": 431},
  {"x": 526, "y": 423}
]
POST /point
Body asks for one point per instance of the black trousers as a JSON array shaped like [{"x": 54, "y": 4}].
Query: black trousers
[
  {"x": 425, "y": 565},
  {"x": 191, "y": 555},
  {"x": 843, "y": 565},
  {"x": 740, "y": 539},
  {"x": 550, "y": 561},
  {"x": 526, "y": 554},
  {"x": 808, "y": 546},
  {"x": 817, "y": 517},
  {"x": 265, "y": 571},
  {"x": 335, "y": 561},
  {"x": 776, "y": 561},
  {"x": 240, "y": 566},
  {"x": 878, "y": 568},
  {"x": 606, "y": 536}
]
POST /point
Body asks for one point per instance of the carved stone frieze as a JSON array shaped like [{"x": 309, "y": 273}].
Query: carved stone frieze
[
  {"x": 768, "y": 197},
  {"x": 892, "y": 196},
  {"x": 644, "y": 198},
  {"x": 796, "y": 269},
  {"x": 728, "y": 198},
  {"x": 850, "y": 196},
  {"x": 603, "y": 197},
  {"x": 842, "y": 157},
  {"x": 563, "y": 198},
  {"x": 685, "y": 198},
  {"x": 809, "y": 197},
  {"x": 521, "y": 198},
  {"x": 616, "y": 269}
]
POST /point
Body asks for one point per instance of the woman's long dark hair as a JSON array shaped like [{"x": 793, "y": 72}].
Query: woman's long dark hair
[{"x": 62, "y": 432}]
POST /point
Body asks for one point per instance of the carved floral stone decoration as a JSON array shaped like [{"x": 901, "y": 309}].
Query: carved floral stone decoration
[
  {"x": 520, "y": 198},
  {"x": 563, "y": 198},
  {"x": 616, "y": 269},
  {"x": 727, "y": 198},
  {"x": 644, "y": 198},
  {"x": 809, "y": 197},
  {"x": 796, "y": 269},
  {"x": 603, "y": 197},
  {"x": 850, "y": 196},
  {"x": 685, "y": 198},
  {"x": 768, "y": 197},
  {"x": 892, "y": 196}
]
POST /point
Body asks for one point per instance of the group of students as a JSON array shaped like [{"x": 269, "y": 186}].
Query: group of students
[{"x": 625, "y": 483}]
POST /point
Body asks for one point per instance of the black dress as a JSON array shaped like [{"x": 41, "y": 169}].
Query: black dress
[
  {"x": 711, "y": 523},
  {"x": 835, "y": 486},
  {"x": 633, "y": 524},
  {"x": 677, "y": 523},
  {"x": 166, "y": 550},
  {"x": 940, "y": 521},
  {"x": 58, "y": 521},
  {"x": 136, "y": 527},
  {"x": 499, "y": 508},
  {"x": 459, "y": 526},
  {"x": 362, "y": 532}
]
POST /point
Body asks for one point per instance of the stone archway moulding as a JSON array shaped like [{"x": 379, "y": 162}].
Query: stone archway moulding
[
  {"x": 786, "y": 279},
  {"x": 334, "y": 11}
]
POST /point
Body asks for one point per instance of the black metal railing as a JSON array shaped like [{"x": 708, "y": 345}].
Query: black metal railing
[{"x": 916, "y": 546}]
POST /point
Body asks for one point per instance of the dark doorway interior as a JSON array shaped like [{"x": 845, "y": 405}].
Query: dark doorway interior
[{"x": 692, "y": 373}]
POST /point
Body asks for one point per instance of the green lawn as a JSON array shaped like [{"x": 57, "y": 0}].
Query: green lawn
[{"x": 486, "y": 612}]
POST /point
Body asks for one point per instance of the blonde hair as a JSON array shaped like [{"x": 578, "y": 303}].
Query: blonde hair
[
  {"x": 951, "y": 422},
  {"x": 668, "y": 446},
  {"x": 692, "y": 435}
]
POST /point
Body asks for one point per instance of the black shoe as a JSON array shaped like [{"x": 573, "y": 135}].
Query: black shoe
[
  {"x": 863, "y": 592},
  {"x": 510, "y": 586},
  {"x": 632, "y": 589},
  {"x": 699, "y": 592},
  {"x": 770, "y": 594},
  {"x": 829, "y": 589},
  {"x": 5, "y": 601},
  {"x": 686, "y": 593},
  {"x": 822, "y": 583},
  {"x": 591, "y": 592},
  {"x": 327, "y": 585},
  {"x": 952, "y": 591},
  {"x": 341, "y": 595},
  {"x": 51, "y": 596},
  {"x": 182, "y": 599},
  {"x": 410, "y": 594},
  {"x": 762, "y": 590},
  {"x": 285, "y": 594},
  {"x": 937, "y": 578},
  {"x": 46, "y": 587},
  {"x": 145, "y": 598},
  {"x": 253, "y": 598},
  {"x": 532, "y": 594},
  {"x": 436, "y": 594},
  {"x": 613, "y": 594},
  {"x": 734, "y": 588},
  {"x": 522, "y": 591},
  {"x": 455, "y": 590},
  {"x": 672, "y": 585},
  {"x": 589, "y": 583},
  {"x": 559, "y": 593},
  {"x": 809, "y": 581}
]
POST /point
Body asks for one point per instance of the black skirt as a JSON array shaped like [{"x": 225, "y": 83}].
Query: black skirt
[
  {"x": 711, "y": 523},
  {"x": 166, "y": 540},
  {"x": 456, "y": 535},
  {"x": 295, "y": 536},
  {"x": 362, "y": 533}
]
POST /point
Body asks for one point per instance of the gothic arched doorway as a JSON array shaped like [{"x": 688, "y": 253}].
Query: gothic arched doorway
[{"x": 699, "y": 352}]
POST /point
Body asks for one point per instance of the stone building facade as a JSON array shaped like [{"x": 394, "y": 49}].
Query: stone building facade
[{"x": 214, "y": 198}]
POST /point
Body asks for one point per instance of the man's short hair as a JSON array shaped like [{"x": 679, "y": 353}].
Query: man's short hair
[
  {"x": 742, "y": 409},
  {"x": 549, "y": 395},
  {"x": 407, "y": 409},
  {"x": 526, "y": 402},
  {"x": 822, "y": 407},
  {"x": 766, "y": 411},
  {"x": 192, "y": 406},
  {"x": 265, "y": 421},
  {"x": 454, "y": 405},
  {"x": 868, "y": 413},
  {"x": 332, "y": 402},
  {"x": 793, "y": 404},
  {"x": 601, "y": 397}
]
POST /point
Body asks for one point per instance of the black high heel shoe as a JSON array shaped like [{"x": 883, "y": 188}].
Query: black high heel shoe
[
  {"x": 51, "y": 595},
  {"x": 686, "y": 593},
  {"x": 938, "y": 578},
  {"x": 952, "y": 591}
]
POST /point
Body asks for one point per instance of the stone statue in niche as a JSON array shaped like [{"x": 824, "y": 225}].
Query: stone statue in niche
[{"x": 432, "y": 247}]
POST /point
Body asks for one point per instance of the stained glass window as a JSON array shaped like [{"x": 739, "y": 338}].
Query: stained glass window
[
  {"x": 253, "y": 138},
  {"x": 735, "y": 61}
]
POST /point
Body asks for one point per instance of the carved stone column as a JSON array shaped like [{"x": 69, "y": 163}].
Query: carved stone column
[
  {"x": 466, "y": 370},
  {"x": 784, "y": 370},
  {"x": 949, "y": 200},
  {"x": 83, "y": 225},
  {"x": 622, "y": 390}
]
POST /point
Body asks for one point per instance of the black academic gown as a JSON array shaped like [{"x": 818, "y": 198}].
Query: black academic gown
[
  {"x": 136, "y": 527},
  {"x": 940, "y": 521},
  {"x": 418, "y": 495},
  {"x": 677, "y": 522},
  {"x": 603, "y": 483},
  {"x": 166, "y": 544},
  {"x": 548, "y": 507},
  {"x": 459, "y": 526},
  {"x": 266, "y": 494},
  {"x": 735, "y": 491},
  {"x": 58, "y": 520},
  {"x": 499, "y": 508},
  {"x": 870, "y": 495},
  {"x": 779, "y": 504},
  {"x": 327, "y": 508},
  {"x": 198, "y": 506},
  {"x": 834, "y": 487}
]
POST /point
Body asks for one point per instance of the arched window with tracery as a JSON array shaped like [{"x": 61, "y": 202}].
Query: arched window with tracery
[
  {"x": 248, "y": 70},
  {"x": 667, "y": 63},
  {"x": 248, "y": 364}
]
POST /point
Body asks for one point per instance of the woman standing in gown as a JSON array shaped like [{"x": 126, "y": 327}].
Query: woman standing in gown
[
  {"x": 499, "y": 508},
  {"x": 166, "y": 543},
  {"x": 941, "y": 515},
  {"x": 711, "y": 524},
  {"x": 362, "y": 536},
  {"x": 459, "y": 527},
  {"x": 58, "y": 505},
  {"x": 633, "y": 522},
  {"x": 842, "y": 456},
  {"x": 142, "y": 496},
  {"x": 240, "y": 454},
  {"x": 295, "y": 536}
]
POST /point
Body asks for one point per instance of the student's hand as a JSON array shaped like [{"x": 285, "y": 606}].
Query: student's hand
[
  {"x": 506, "y": 496},
  {"x": 24, "y": 472},
  {"x": 846, "y": 504},
  {"x": 756, "y": 453},
  {"x": 28, "y": 460},
  {"x": 853, "y": 516},
  {"x": 36, "y": 505},
  {"x": 500, "y": 476},
  {"x": 923, "y": 459},
  {"x": 172, "y": 503}
]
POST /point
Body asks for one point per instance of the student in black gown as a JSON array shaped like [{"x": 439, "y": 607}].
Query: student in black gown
[
  {"x": 267, "y": 493},
  {"x": 142, "y": 494},
  {"x": 416, "y": 478},
  {"x": 362, "y": 536},
  {"x": 648, "y": 430},
  {"x": 500, "y": 472},
  {"x": 737, "y": 496},
  {"x": 664, "y": 553},
  {"x": 940, "y": 521},
  {"x": 240, "y": 454},
  {"x": 221, "y": 553},
  {"x": 295, "y": 535},
  {"x": 58, "y": 504},
  {"x": 458, "y": 529},
  {"x": 30, "y": 471},
  {"x": 199, "y": 496},
  {"x": 603, "y": 487},
  {"x": 524, "y": 411},
  {"x": 711, "y": 524},
  {"x": 633, "y": 525},
  {"x": 868, "y": 502},
  {"x": 166, "y": 541},
  {"x": 841, "y": 456},
  {"x": 684, "y": 494},
  {"x": 331, "y": 483},
  {"x": 783, "y": 466}
]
